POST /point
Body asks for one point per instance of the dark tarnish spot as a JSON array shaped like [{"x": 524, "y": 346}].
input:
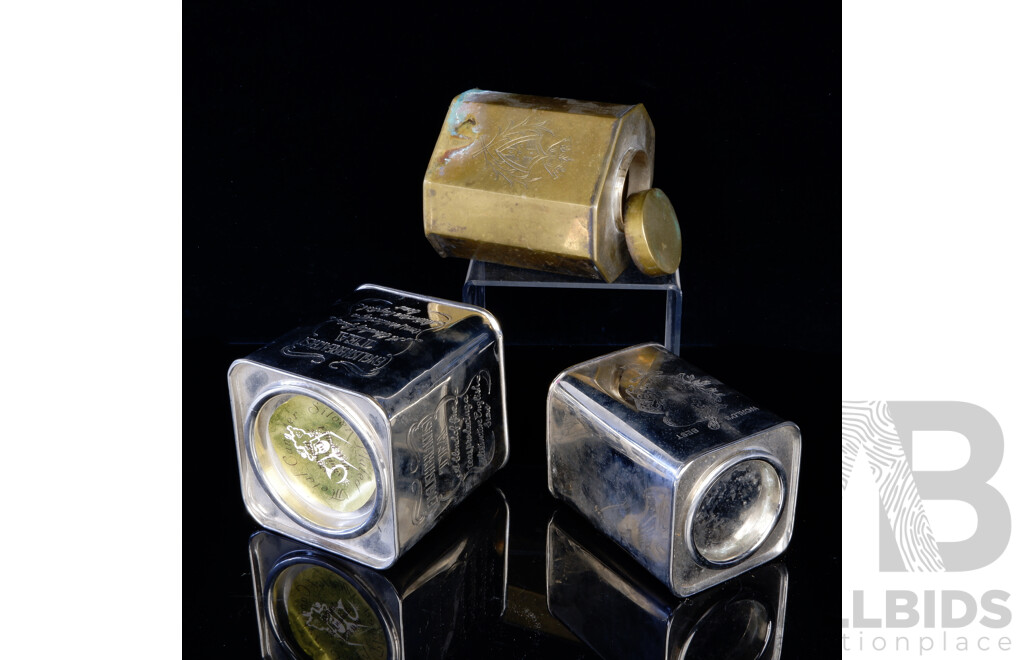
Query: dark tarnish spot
[
  {"x": 456, "y": 131},
  {"x": 432, "y": 192}
]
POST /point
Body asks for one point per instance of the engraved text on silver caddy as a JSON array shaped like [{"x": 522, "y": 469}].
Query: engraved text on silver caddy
[
  {"x": 398, "y": 402},
  {"x": 688, "y": 475}
]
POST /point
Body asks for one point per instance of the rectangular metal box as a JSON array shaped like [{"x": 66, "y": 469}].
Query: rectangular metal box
[
  {"x": 356, "y": 433},
  {"x": 692, "y": 478},
  {"x": 537, "y": 182}
]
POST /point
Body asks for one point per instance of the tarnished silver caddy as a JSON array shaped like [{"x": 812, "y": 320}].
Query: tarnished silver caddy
[
  {"x": 356, "y": 433},
  {"x": 689, "y": 476}
]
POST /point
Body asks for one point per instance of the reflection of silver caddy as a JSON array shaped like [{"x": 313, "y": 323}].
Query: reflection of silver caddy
[
  {"x": 593, "y": 592},
  {"x": 688, "y": 475},
  {"x": 356, "y": 433}
]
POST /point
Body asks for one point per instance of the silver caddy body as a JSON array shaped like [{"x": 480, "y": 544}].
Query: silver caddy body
[
  {"x": 354, "y": 434},
  {"x": 689, "y": 476}
]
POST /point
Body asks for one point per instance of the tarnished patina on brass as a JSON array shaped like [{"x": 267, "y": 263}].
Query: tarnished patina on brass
[{"x": 544, "y": 183}]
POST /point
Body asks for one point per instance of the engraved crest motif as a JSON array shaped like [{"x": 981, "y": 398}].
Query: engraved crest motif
[
  {"x": 522, "y": 150},
  {"x": 338, "y": 620},
  {"x": 323, "y": 448},
  {"x": 682, "y": 399}
]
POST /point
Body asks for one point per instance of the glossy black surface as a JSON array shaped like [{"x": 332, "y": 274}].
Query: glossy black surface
[
  {"x": 220, "y": 611},
  {"x": 307, "y": 133},
  {"x": 431, "y": 604}
]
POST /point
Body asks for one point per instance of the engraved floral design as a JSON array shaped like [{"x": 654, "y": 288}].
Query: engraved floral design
[
  {"x": 519, "y": 148},
  {"x": 682, "y": 399}
]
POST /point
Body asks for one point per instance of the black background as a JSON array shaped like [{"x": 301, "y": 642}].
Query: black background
[{"x": 307, "y": 133}]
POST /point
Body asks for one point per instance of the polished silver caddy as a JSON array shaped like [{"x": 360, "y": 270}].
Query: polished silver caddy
[
  {"x": 356, "y": 433},
  {"x": 689, "y": 476}
]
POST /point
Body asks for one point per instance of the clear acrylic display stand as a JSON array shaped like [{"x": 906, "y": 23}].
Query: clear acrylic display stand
[{"x": 538, "y": 308}]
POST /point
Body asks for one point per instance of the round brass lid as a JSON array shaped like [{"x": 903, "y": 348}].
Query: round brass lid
[
  {"x": 322, "y": 457},
  {"x": 315, "y": 461},
  {"x": 652, "y": 232}
]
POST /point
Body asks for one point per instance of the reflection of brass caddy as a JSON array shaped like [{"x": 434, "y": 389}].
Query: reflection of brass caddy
[{"x": 551, "y": 184}]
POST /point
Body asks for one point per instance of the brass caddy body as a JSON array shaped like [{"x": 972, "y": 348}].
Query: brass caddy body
[{"x": 543, "y": 183}]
